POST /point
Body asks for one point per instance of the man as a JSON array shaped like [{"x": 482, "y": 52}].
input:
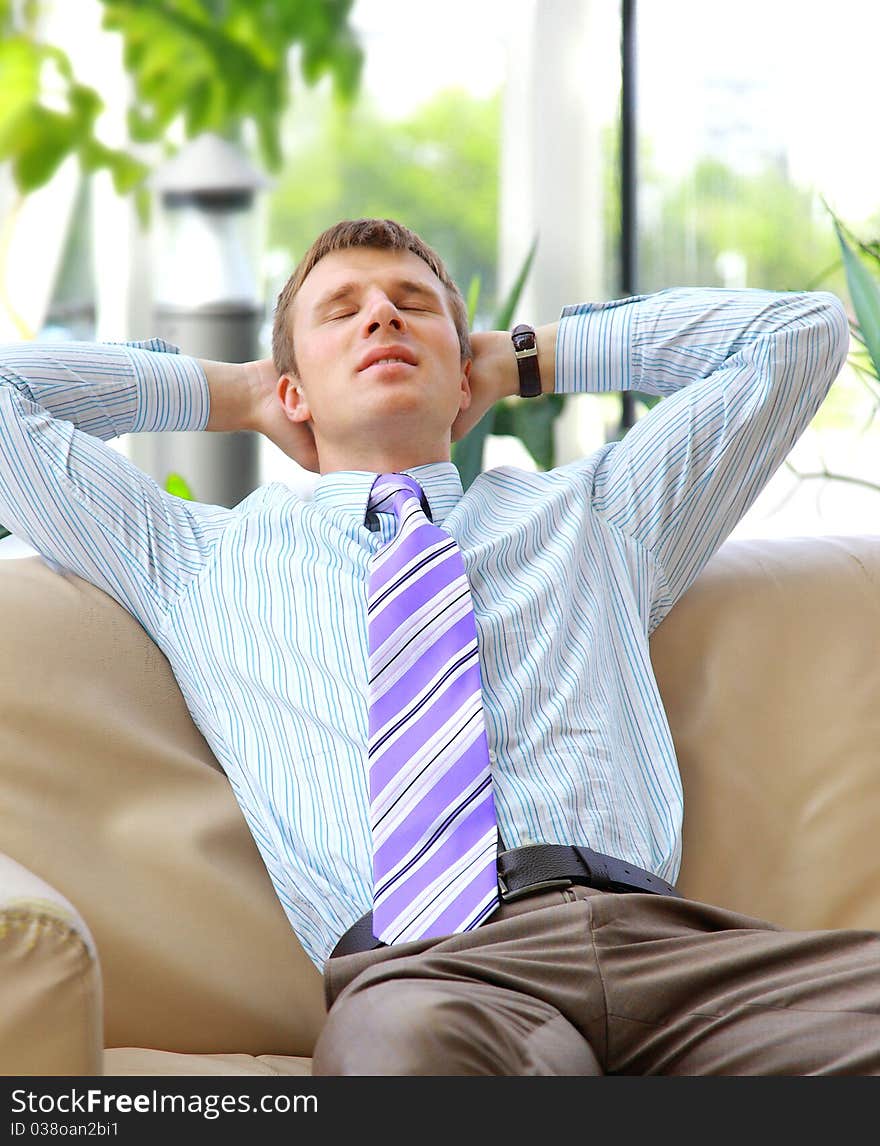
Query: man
[{"x": 550, "y": 939}]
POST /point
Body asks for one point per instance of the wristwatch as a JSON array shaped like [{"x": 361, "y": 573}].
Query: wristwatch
[{"x": 525, "y": 347}]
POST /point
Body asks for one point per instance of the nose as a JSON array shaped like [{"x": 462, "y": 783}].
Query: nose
[{"x": 381, "y": 314}]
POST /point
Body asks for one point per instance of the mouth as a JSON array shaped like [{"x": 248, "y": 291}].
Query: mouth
[
  {"x": 392, "y": 366},
  {"x": 395, "y": 358}
]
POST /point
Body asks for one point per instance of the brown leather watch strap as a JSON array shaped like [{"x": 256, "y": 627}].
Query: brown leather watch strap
[{"x": 525, "y": 347}]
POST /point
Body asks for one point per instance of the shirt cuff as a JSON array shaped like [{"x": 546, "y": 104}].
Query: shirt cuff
[
  {"x": 594, "y": 347},
  {"x": 172, "y": 390}
]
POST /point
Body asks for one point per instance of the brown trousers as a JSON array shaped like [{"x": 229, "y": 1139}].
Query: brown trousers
[{"x": 582, "y": 982}]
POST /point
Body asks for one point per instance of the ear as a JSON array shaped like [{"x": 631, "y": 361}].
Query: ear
[
  {"x": 465, "y": 399},
  {"x": 293, "y": 399}
]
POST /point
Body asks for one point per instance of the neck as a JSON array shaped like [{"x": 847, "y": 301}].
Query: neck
[{"x": 379, "y": 459}]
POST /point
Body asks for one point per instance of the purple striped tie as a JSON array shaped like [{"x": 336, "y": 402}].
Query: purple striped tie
[{"x": 432, "y": 812}]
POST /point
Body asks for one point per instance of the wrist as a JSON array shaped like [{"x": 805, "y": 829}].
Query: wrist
[
  {"x": 507, "y": 372},
  {"x": 546, "y": 338},
  {"x": 253, "y": 391},
  {"x": 539, "y": 366},
  {"x": 232, "y": 392}
]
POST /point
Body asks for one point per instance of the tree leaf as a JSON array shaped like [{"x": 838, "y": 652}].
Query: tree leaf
[
  {"x": 127, "y": 172},
  {"x": 212, "y": 64},
  {"x": 42, "y": 141},
  {"x": 216, "y": 65},
  {"x": 20, "y": 72}
]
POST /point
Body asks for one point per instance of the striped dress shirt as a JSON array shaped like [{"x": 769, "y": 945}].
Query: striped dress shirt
[{"x": 260, "y": 609}]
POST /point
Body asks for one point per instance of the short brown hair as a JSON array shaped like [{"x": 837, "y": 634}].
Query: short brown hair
[{"x": 382, "y": 233}]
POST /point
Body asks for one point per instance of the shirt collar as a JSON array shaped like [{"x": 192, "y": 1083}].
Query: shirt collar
[{"x": 349, "y": 490}]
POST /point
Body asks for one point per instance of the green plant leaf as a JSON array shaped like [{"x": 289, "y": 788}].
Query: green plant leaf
[
  {"x": 505, "y": 313},
  {"x": 209, "y": 64},
  {"x": 468, "y": 452},
  {"x": 20, "y": 63},
  {"x": 143, "y": 202},
  {"x": 533, "y": 423},
  {"x": 865, "y": 295},
  {"x": 473, "y": 299},
  {"x": 43, "y": 140},
  {"x": 176, "y": 485},
  {"x": 215, "y": 65},
  {"x": 127, "y": 172}
]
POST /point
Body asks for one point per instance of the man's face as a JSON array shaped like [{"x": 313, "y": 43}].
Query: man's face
[{"x": 378, "y": 354}]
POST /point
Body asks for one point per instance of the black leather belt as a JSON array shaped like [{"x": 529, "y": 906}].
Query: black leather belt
[
  {"x": 540, "y": 867},
  {"x": 524, "y": 870}
]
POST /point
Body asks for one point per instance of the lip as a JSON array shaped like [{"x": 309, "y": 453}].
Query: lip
[{"x": 379, "y": 352}]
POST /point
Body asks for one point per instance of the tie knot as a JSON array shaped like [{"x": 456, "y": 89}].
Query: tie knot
[{"x": 391, "y": 492}]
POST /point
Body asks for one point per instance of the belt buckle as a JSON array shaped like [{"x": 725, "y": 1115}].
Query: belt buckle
[{"x": 509, "y": 896}]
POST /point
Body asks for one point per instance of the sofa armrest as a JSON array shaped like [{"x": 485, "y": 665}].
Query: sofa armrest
[{"x": 50, "y": 981}]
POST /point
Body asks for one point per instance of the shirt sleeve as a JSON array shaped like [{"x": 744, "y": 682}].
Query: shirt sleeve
[
  {"x": 741, "y": 373},
  {"x": 79, "y": 502}
]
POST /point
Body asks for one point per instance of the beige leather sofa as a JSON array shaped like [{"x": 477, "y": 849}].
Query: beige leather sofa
[{"x": 139, "y": 933}]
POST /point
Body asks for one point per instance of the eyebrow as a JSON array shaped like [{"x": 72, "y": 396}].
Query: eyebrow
[{"x": 406, "y": 286}]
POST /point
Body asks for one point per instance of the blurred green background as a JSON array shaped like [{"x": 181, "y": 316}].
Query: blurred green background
[{"x": 292, "y": 85}]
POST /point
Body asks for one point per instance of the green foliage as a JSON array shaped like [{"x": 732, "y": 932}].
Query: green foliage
[
  {"x": 863, "y": 290},
  {"x": 35, "y": 138},
  {"x": 214, "y": 64},
  {"x": 532, "y": 421},
  {"x": 435, "y": 170},
  {"x": 861, "y": 266},
  {"x": 177, "y": 485},
  {"x": 685, "y": 223}
]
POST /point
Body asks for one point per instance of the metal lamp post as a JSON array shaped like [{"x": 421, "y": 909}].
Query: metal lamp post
[{"x": 207, "y": 301}]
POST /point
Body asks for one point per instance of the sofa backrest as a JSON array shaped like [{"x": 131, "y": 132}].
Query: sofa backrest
[
  {"x": 770, "y": 675},
  {"x": 769, "y": 668},
  {"x": 110, "y": 793}
]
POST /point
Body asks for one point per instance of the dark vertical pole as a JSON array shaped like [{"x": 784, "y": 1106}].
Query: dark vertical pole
[{"x": 628, "y": 175}]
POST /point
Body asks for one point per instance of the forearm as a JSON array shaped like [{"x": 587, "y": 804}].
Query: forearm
[
  {"x": 105, "y": 389},
  {"x": 231, "y": 386},
  {"x": 665, "y": 342}
]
